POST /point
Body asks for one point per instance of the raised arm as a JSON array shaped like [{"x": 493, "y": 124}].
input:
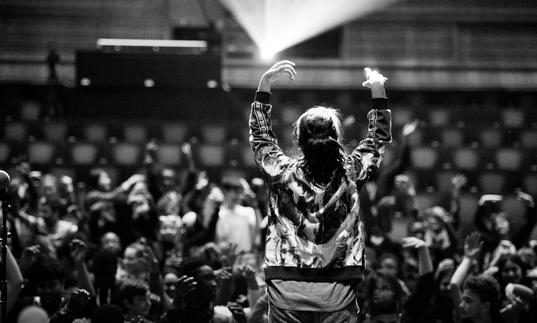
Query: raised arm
[
  {"x": 472, "y": 247},
  {"x": 78, "y": 250},
  {"x": 268, "y": 155},
  {"x": 457, "y": 182},
  {"x": 367, "y": 156},
  {"x": 425, "y": 264},
  {"x": 399, "y": 164}
]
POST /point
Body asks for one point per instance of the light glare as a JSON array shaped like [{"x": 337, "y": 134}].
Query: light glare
[
  {"x": 267, "y": 55},
  {"x": 280, "y": 24}
]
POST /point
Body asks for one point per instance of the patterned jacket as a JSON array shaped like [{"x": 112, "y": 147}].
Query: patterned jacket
[{"x": 314, "y": 232}]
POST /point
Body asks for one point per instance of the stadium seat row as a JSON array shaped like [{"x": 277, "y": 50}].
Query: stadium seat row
[
  {"x": 468, "y": 158},
  {"x": 134, "y": 132},
  {"x": 123, "y": 153}
]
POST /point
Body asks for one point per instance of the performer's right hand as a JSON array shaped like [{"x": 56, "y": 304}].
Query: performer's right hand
[{"x": 275, "y": 72}]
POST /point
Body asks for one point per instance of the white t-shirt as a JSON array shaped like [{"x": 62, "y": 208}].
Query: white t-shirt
[{"x": 237, "y": 226}]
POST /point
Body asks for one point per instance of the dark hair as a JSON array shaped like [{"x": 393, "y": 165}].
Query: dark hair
[
  {"x": 504, "y": 259},
  {"x": 395, "y": 304},
  {"x": 131, "y": 288},
  {"x": 107, "y": 314},
  {"x": 231, "y": 182},
  {"x": 389, "y": 255},
  {"x": 488, "y": 290},
  {"x": 104, "y": 266},
  {"x": 191, "y": 266},
  {"x": 317, "y": 133},
  {"x": 195, "y": 199},
  {"x": 45, "y": 269}
]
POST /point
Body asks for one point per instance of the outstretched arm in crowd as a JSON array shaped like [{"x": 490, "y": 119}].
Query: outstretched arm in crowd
[
  {"x": 457, "y": 183},
  {"x": 251, "y": 201},
  {"x": 425, "y": 264},
  {"x": 78, "y": 250},
  {"x": 472, "y": 247},
  {"x": 398, "y": 165},
  {"x": 149, "y": 161},
  {"x": 192, "y": 176},
  {"x": 421, "y": 297},
  {"x": 254, "y": 292},
  {"x": 118, "y": 192}
]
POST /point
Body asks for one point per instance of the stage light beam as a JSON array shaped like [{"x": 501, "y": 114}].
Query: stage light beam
[
  {"x": 267, "y": 54},
  {"x": 280, "y": 24}
]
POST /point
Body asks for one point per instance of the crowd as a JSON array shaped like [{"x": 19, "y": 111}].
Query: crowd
[{"x": 164, "y": 248}]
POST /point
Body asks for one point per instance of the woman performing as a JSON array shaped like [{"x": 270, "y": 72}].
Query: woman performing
[{"x": 314, "y": 253}]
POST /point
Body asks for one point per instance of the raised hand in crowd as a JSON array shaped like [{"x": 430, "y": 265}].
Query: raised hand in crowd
[
  {"x": 150, "y": 152},
  {"x": 459, "y": 181},
  {"x": 410, "y": 127},
  {"x": 472, "y": 245},
  {"x": 78, "y": 250},
  {"x": 183, "y": 287},
  {"x": 404, "y": 184},
  {"x": 425, "y": 264}
]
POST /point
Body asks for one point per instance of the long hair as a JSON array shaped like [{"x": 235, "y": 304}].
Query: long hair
[
  {"x": 374, "y": 306},
  {"x": 318, "y": 135}
]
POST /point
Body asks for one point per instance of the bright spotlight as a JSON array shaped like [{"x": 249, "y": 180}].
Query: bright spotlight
[
  {"x": 280, "y": 24},
  {"x": 267, "y": 55}
]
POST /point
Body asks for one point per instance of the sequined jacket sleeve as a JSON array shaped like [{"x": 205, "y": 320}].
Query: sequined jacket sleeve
[
  {"x": 365, "y": 159},
  {"x": 267, "y": 154}
]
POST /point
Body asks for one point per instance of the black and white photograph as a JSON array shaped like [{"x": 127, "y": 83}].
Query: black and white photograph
[{"x": 268, "y": 161}]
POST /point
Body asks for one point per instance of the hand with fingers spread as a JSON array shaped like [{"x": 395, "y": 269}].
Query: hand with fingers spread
[
  {"x": 277, "y": 71},
  {"x": 375, "y": 82},
  {"x": 373, "y": 78},
  {"x": 184, "y": 286},
  {"x": 472, "y": 245}
]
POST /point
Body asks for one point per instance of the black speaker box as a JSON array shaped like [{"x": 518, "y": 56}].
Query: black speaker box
[{"x": 158, "y": 70}]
